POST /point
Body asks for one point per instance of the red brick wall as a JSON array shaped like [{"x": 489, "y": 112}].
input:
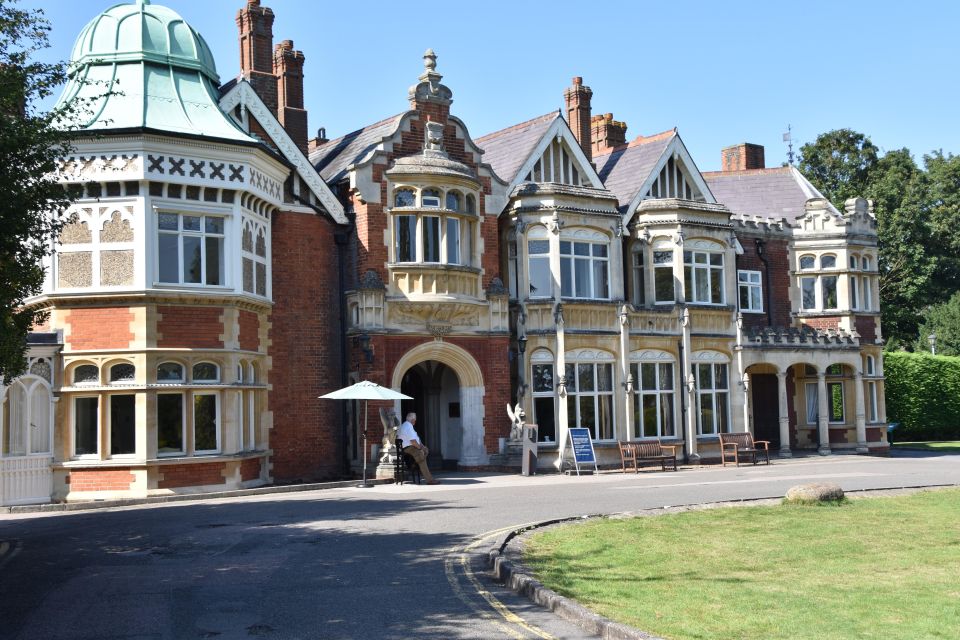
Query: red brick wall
[
  {"x": 190, "y": 327},
  {"x": 822, "y": 323},
  {"x": 742, "y": 157},
  {"x": 191, "y": 475},
  {"x": 100, "y": 479},
  {"x": 867, "y": 328},
  {"x": 776, "y": 253},
  {"x": 250, "y": 469},
  {"x": 101, "y": 328},
  {"x": 249, "y": 331},
  {"x": 305, "y": 349}
]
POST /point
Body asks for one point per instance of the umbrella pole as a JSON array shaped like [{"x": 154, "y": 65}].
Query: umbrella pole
[{"x": 366, "y": 415}]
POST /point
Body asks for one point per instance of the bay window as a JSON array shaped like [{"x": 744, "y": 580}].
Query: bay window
[
  {"x": 703, "y": 275},
  {"x": 538, "y": 252},
  {"x": 170, "y": 423},
  {"x": 190, "y": 249},
  {"x": 637, "y": 258},
  {"x": 406, "y": 234},
  {"x": 123, "y": 423},
  {"x": 430, "y": 238},
  {"x": 584, "y": 270},
  {"x": 664, "y": 292},
  {"x": 453, "y": 241},
  {"x": 86, "y": 426}
]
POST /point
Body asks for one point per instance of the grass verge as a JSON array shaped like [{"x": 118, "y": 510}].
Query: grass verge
[
  {"x": 941, "y": 447},
  {"x": 867, "y": 568}
]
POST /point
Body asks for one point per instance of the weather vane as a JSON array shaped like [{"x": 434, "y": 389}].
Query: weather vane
[{"x": 788, "y": 138}]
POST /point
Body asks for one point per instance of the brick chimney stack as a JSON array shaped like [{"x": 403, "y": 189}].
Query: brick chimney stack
[
  {"x": 607, "y": 133},
  {"x": 256, "y": 51},
  {"x": 577, "y": 98},
  {"x": 741, "y": 157},
  {"x": 288, "y": 69}
]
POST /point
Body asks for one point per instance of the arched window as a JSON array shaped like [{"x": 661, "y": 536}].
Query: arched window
[
  {"x": 430, "y": 198},
  {"x": 471, "y": 204},
  {"x": 866, "y": 263},
  {"x": 453, "y": 200},
  {"x": 807, "y": 262},
  {"x": 713, "y": 392},
  {"x": 169, "y": 372},
  {"x": 206, "y": 372},
  {"x": 544, "y": 388},
  {"x": 854, "y": 262},
  {"x": 123, "y": 372},
  {"x": 828, "y": 262},
  {"x": 86, "y": 374},
  {"x": 871, "y": 366},
  {"x": 404, "y": 198}
]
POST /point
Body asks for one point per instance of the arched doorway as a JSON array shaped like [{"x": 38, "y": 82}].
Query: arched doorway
[
  {"x": 447, "y": 386},
  {"x": 435, "y": 390}
]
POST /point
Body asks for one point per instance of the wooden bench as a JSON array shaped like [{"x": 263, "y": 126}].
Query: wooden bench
[
  {"x": 734, "y": 446},
  {"x": 637, "y": 452}
]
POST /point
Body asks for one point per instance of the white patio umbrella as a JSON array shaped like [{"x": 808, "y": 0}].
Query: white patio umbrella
[{"x": 365, "y": 390}]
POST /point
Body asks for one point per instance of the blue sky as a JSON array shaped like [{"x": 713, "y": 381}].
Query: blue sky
[{"x": 721, "y": 72}]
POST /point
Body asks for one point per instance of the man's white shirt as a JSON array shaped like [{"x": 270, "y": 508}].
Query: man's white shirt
[{"x": 408, "y": 434}]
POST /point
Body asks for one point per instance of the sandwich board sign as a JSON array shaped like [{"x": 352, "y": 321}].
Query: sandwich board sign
[{"x": 582, "y": 446}]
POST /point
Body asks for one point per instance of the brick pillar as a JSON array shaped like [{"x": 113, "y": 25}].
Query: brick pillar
[
  {"x": 741, "y": 157},
  {"x": 577, "y": 98},
  {"x": 607, "y": 133},
  {"x": 288, "y": 68},
  {"x": 256, "y": 51}
]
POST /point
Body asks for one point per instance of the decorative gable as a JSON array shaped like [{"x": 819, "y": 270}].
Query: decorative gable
[
  {"x": 558, "y": 159},
  {"x": 676, "y": 176}
]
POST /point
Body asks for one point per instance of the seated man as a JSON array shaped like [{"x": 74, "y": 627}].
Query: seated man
[{"x": 413, "y": 447}]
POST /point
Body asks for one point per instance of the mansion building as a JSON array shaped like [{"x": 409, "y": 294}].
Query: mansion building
[{"x": 222, "y": 270}]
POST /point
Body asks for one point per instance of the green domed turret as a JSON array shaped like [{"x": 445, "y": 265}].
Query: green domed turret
[{"x": 140, "y": 66}]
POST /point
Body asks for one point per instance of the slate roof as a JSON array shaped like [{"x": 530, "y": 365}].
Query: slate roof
[
  {"x": 626, "y": 168},
  {"x": 506, "y": 150},
  {"x": 332, "y": 158},
  {"x": 778, "y": 192}
]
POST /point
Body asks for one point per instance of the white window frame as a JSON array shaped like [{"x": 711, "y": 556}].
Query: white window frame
[
  {"x": 180, "y": 380},
  {"x": 574, "y": 395},
  {"x": 255, "y": 259},
  {"x": 414, "y": 239},
  {"x": 202, "y": 234},
  {"x": 713, "y": 392},
  {"x": 694, "y": 269},
  {"x": 812, "y": 390},
  {"x": 752, "y": 281},
  {"x": 539, "y": 257},
  {"x": 193, "y": 378},
  {"x": 636, "y": 370},
  {"x": 540, "y": 358},
  {"x": 666, "y": 266},
  {"x": 568, "y": 262},
  {"x": 638, "y": 269}
]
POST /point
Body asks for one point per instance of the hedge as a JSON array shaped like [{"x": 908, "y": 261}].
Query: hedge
[{"x": 923, "y": 395}]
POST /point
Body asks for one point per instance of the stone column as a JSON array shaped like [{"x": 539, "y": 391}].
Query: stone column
[
  {"x": 472, "y": 451},
  {"x": 687, "y": 379},
  {"x": 561, "y": 390},
  {"x": 860, "y": 413},
  {"x": 625, "y": 372},
  {"x": 747, "y": 425},
  {"x": 822, "y": 420},
  {"x": 783, "y": 415}
]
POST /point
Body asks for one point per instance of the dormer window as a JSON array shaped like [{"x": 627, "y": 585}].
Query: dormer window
[{"x": 430, "y": 198}]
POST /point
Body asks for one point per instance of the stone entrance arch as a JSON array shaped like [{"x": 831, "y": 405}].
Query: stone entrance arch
[{"x": 470, "y": 379}]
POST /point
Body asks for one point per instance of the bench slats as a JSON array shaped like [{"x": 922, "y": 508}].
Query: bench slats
[
  {"x": 636, "y": 452},
  {"x": 733, "y": 446}
]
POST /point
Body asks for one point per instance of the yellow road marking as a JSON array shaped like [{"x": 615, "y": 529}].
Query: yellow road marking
[{"x": 504, "y": 612}]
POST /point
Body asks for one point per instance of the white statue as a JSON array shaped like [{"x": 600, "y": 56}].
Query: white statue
[{"x": 517, "y": 419}]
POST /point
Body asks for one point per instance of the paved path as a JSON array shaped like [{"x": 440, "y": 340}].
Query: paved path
[{"x": 387, "y": 562}]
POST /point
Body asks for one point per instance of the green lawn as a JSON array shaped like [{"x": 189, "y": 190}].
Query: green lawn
[
  {"x": 942, "y": 447},
  {"x": 868, "y": 568}
]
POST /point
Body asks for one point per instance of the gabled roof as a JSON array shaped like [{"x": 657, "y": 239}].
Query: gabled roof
[
  {"x": 507, "y": 150},
  {"x": 242, "y": 93},
  {"x": 770, "y": 193},
  {"x": 625, "y": 169},
  {"x": 333, "y": 158}
]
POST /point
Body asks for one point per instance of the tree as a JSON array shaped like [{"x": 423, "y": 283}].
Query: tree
[
  {"x": 944, "y": 320},
  {"x": 839, "y": 164},
  {"x": 900, "y": 192},
  {"x": 943, "y": 197},
  {"x": 31, "y": 144}
]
